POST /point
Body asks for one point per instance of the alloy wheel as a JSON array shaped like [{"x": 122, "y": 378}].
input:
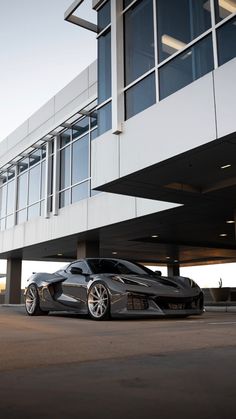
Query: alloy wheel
[
  {"x": 98, "y": 301},
  {"x": 31, "y": 300}
]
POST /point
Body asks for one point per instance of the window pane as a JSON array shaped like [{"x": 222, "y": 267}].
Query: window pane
[
  {"x": 140, "y": 96},
  {"x": 43, "y": 152},
  {"x": 3, "y": 201},
  {"x": 65, "y": 168},
  {"x": 80, "y": 127},
  {"x": 34, "y": 211},
  {"x": 22, "y": 191},
  {"x": 80, "y": 160},
  {"x": 186, "y": 67},
  {"x": 94, "y": 134},
  {"x": 104, "y": 16},
  {"x": 93, "y": 119},
  {"x": 104, "y": 119},
  {"x": 224, "y": 8},
  {"x": 10, "y": 221},
  {"x": 34, "y": 157},
  {"x": 3, "y": 224},
  {"x": 34, "y": 184},
  {"x": 226, "y": 37},
  {"x": 10, "y": 197},
  {"x": 64, "y": 198},
  {"x": 23, "y": 165},
  {"x": 179, "y": 22},
  {"x": 104, "y": 67},
  {"x": 80, "y": 192},
  {"x": 42, "y": 205},
  {"x": 139, "y": 44},
  {"x": 65, "y": 137},
  {"x": 43, "y": 178},
  {"x": 126, "y": 3},
  {"x": 21, "y": 216}
]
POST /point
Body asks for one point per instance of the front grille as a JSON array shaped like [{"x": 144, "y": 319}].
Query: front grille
[
  {"x": 176, "y": 303},
  {"x": 137, "y": 302}
]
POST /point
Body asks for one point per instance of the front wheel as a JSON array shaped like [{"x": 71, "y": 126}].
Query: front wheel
[
  {"x": 98, "y": 302},
  {"x": 32, "y": 302}
]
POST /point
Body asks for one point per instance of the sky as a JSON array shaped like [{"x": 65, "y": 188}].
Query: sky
[{"x": 39, "y": 54}]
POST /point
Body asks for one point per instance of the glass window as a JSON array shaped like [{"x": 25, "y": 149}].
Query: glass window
[
  {"x": 64, "y": 198},
  {"x": 80, "y": 159},
  {"x": 140, "y": 96},
  {"x": 23, "y": 165},
  {"x": 43, "y": 178},
  {"x": 34, "y": 157},
  {"x": 34, "y": 184},
  {"x": 42, "y": 205},
  {"x": 139, "y": 44},
  {"x": 10, "y": 221},
  {"x": 21, "y": 216},
  {"x": 43, "y": 151},
  {"x": 226, "y": 37},
  {"x": 126, "y": 3},
  {"x": 22, "y": 191},
  {"x": 3, "y": 224},
  {"x": 11, "y": 174},
  {"x": 104, "y": 16},
  {"x": 104, "y": 67},
  {"x": 3, "y": 201},
  {"x": 34, "y": 211},
  {"x": 80, "y": 127},
  {"x": 224, "y": 8},
  {"x": 93, "y": 119},
  {"x": 10, "y": 197},
  {"x": 94, "y": 134},
  {"x": 179, "y": 22},
  {"x": 104, "y": 118},
  {"x": 80, "y": 192},
  {"x": 65, "y": 137},
  {"x": 65, "y": 168},
  {"x": 186, "y": 67}
]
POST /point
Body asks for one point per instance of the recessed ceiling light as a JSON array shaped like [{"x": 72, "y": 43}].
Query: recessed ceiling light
[
  {"x": 114, "y": 253},
  {"x": 176, "y": 261},
  {"x": 167, "y": 257},
  {"x": 60, "y": 254},
  {"x": 230, "y": 222},
  {"x": 223, "y": 235},
  {"x": 154, "y": 236},
  {"x": 226, "y": 166}
]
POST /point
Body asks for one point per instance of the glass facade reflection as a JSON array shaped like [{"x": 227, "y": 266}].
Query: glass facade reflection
[{"x": 226, "y": 39}]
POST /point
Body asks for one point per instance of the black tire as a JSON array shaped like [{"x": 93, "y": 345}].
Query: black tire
[
  {"x": 32, "y": 305},
  {"x": 98, "y": 301}
]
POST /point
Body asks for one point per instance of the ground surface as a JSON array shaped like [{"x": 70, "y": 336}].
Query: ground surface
[{"x": 67, "y": 367}]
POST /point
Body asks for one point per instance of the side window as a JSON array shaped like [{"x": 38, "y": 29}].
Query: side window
[{"x": 81, "y": 265}]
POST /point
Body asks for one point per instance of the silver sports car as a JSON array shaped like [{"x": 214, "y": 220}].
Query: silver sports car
[{"x": 106, "y": 288}]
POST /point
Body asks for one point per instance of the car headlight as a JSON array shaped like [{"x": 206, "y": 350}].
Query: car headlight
[{"x": 128, "y": 281}]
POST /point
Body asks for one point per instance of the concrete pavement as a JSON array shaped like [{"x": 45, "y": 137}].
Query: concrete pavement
[{"x": 65, "y": 366}]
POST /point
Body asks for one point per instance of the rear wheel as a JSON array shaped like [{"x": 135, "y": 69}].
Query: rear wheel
[
  {"x": 98, "y": 302},
  {"x": 32, "y": 302}
]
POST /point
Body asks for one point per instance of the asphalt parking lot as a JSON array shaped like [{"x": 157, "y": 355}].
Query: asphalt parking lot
[{"x": 64, "y": 366}]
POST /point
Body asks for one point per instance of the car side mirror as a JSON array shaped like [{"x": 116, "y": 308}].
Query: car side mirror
[
  {"x": 76, "y": 271},
  {"x": 158, "y": 273}
]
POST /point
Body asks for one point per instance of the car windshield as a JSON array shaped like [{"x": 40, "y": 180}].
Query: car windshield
[{"x": 114, "y": 266}]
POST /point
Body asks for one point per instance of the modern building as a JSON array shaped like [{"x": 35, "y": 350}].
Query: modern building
[{"x": 136, "y": 156}]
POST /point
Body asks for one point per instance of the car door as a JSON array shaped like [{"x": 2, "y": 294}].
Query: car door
[{"x": 74, "y": 288}]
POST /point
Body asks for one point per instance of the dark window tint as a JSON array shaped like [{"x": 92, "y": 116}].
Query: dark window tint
[
  {"x": 64, "y": 198},
  {"x": 65, "y": 168},
  {"x": 80, "y": 192},
  {"x": 226, "y": 37},
  {"x": 179, "y": 22},
  {"x": 23, "y": 164},
  {"x": 126, "y": 3},
  {"x": 139, "y": 40},
  {"x": 224, "y": 8},
  {"x": 186, "y": 67},
  {"x": 104, "y": 67},
  {"x": 80, "y": 127},
  {"x": 65, "y": 137},
  {"x": 104, "y": 16},
  {"x": 80, "y": 159},
  {"x": 34, "y": 157},
  {"x": 104, "y": 118},
  {"x": 140, "y": 96},
  {"x": 93, "y": 119}
]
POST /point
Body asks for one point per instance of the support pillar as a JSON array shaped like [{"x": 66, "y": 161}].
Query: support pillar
[
  {"x": 13, "y": 281},
  {"x": 173, "y": 269},
  {"x": 88, "y": 249}
]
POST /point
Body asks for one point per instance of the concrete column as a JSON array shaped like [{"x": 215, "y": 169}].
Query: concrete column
[
  {"x": 173, "y": 269},
  {"x": 13, "y": 281},
  {"x": 87, "y": 249}
]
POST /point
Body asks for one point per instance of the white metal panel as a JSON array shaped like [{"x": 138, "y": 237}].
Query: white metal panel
[{"x": 149, "y": 206}]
